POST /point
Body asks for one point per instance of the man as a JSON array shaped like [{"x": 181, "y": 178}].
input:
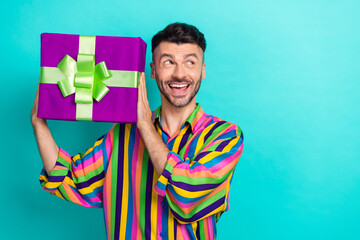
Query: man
[{"x": 169, "y": 175}]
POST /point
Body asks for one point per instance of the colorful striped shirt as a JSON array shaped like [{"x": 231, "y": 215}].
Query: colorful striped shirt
[{"x": 116, "y": 174}]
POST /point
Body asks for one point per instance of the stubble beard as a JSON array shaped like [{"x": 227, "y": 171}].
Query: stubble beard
[{"x": 178, "y": 104}]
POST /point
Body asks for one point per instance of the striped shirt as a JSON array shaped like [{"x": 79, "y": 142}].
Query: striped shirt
[{"x": 116, "y": 174}]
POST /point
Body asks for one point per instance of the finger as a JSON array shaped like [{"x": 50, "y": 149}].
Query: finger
[
  {"x": 140, "y": 87},
  {"x": 142, "y": 80},
  {"x": 143, "y": 86},
  {"x": 37, "y": 91},
  {"x": 36, "y": 100},
  {"x": 34, "y": 110}
]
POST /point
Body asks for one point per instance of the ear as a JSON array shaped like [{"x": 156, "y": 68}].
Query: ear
[
  {"x": 203, "y": 72},
  {"x": 152, "y": 66}
]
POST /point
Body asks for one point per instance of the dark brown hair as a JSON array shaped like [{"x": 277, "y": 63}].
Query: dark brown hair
[{"x": 179, "y": 33}]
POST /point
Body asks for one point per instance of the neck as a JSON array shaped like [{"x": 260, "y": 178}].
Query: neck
[{"x": 173, "y": 117}]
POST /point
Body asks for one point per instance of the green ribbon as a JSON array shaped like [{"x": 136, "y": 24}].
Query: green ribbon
[{"x": 85, "y": 79}]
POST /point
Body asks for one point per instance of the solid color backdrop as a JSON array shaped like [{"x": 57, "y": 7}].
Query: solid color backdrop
[{"x": 287, "y": 72}]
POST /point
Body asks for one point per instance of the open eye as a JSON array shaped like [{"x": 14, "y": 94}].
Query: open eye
[
  {"x": 190, "y": 63},
  {"x": 168, "y": 62}
]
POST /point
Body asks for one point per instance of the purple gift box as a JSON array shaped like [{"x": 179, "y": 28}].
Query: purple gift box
[{"x": 124, "y": 58}]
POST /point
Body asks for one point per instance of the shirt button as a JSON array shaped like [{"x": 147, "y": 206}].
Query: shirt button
[
  {"x": 162, "y": 203},
  {"x": 162, "y": 234}
]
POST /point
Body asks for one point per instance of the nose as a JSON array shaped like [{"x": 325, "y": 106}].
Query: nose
[{"x": 179, "y": 72}]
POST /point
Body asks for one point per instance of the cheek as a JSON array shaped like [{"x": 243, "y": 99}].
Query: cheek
[
  {"x": 194, "y": 74},
  {"x": 164, "y": 74}
]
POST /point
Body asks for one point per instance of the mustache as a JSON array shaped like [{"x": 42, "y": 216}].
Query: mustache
[{"x": 177, "y": 80}]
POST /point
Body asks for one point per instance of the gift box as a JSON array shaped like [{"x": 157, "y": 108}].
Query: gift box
[{"x": 92, "y": 78}]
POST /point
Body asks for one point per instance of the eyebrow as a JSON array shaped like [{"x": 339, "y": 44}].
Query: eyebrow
[
  {"x": 166, "y": 55},
  {"x": 191, "y": 55},
  {"x": 172, "y": 56}
]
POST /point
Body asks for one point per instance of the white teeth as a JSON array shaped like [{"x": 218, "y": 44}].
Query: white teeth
[{"x": 178, "y": 85}]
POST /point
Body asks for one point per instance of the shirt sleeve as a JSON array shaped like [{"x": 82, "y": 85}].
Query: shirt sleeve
[
  {"x": 80, "y": 179},
  {"x": 199, "y": 187}
]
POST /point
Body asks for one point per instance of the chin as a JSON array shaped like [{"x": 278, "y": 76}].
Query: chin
[{"x": 180, "y": 103}]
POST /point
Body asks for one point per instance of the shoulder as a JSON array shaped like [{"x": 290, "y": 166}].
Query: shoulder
[{"x": 221, "y": 125}]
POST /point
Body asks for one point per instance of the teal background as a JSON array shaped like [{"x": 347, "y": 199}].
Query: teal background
[{"x": 287, "y": 72}]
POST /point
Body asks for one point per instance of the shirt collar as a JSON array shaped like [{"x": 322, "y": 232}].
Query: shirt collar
[{"x": 195, "y": 118}]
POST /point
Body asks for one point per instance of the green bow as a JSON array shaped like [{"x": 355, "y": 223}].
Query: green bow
[{"x": 85, "y": 80}]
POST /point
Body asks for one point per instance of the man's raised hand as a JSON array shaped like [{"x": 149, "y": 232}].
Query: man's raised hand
[{"x": 143, "y": 108}]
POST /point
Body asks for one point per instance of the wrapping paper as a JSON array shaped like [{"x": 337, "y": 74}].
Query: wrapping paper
[{"x": 124, "y": 58}]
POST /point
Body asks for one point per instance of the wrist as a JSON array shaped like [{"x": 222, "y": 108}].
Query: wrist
[{"x": 145, "y": 126}]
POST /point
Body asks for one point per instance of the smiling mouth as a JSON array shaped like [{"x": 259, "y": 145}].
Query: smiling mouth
[
  {"x": 179, "y": 89},
  {"x": 178, "y": 86}
]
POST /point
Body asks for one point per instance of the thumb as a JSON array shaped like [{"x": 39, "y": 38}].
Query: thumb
[
  {"x": 143, "y": 84},
  {"x": 142, "y": 78}
]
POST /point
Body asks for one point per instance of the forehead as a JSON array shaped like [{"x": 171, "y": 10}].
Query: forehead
[{"x": 178, "y": 50}]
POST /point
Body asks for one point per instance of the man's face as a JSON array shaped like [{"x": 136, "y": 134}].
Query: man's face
[{"x": 178, "y": 70}]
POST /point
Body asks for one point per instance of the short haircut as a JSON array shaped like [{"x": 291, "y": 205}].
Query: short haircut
[{"x": 179, "y": 33}]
